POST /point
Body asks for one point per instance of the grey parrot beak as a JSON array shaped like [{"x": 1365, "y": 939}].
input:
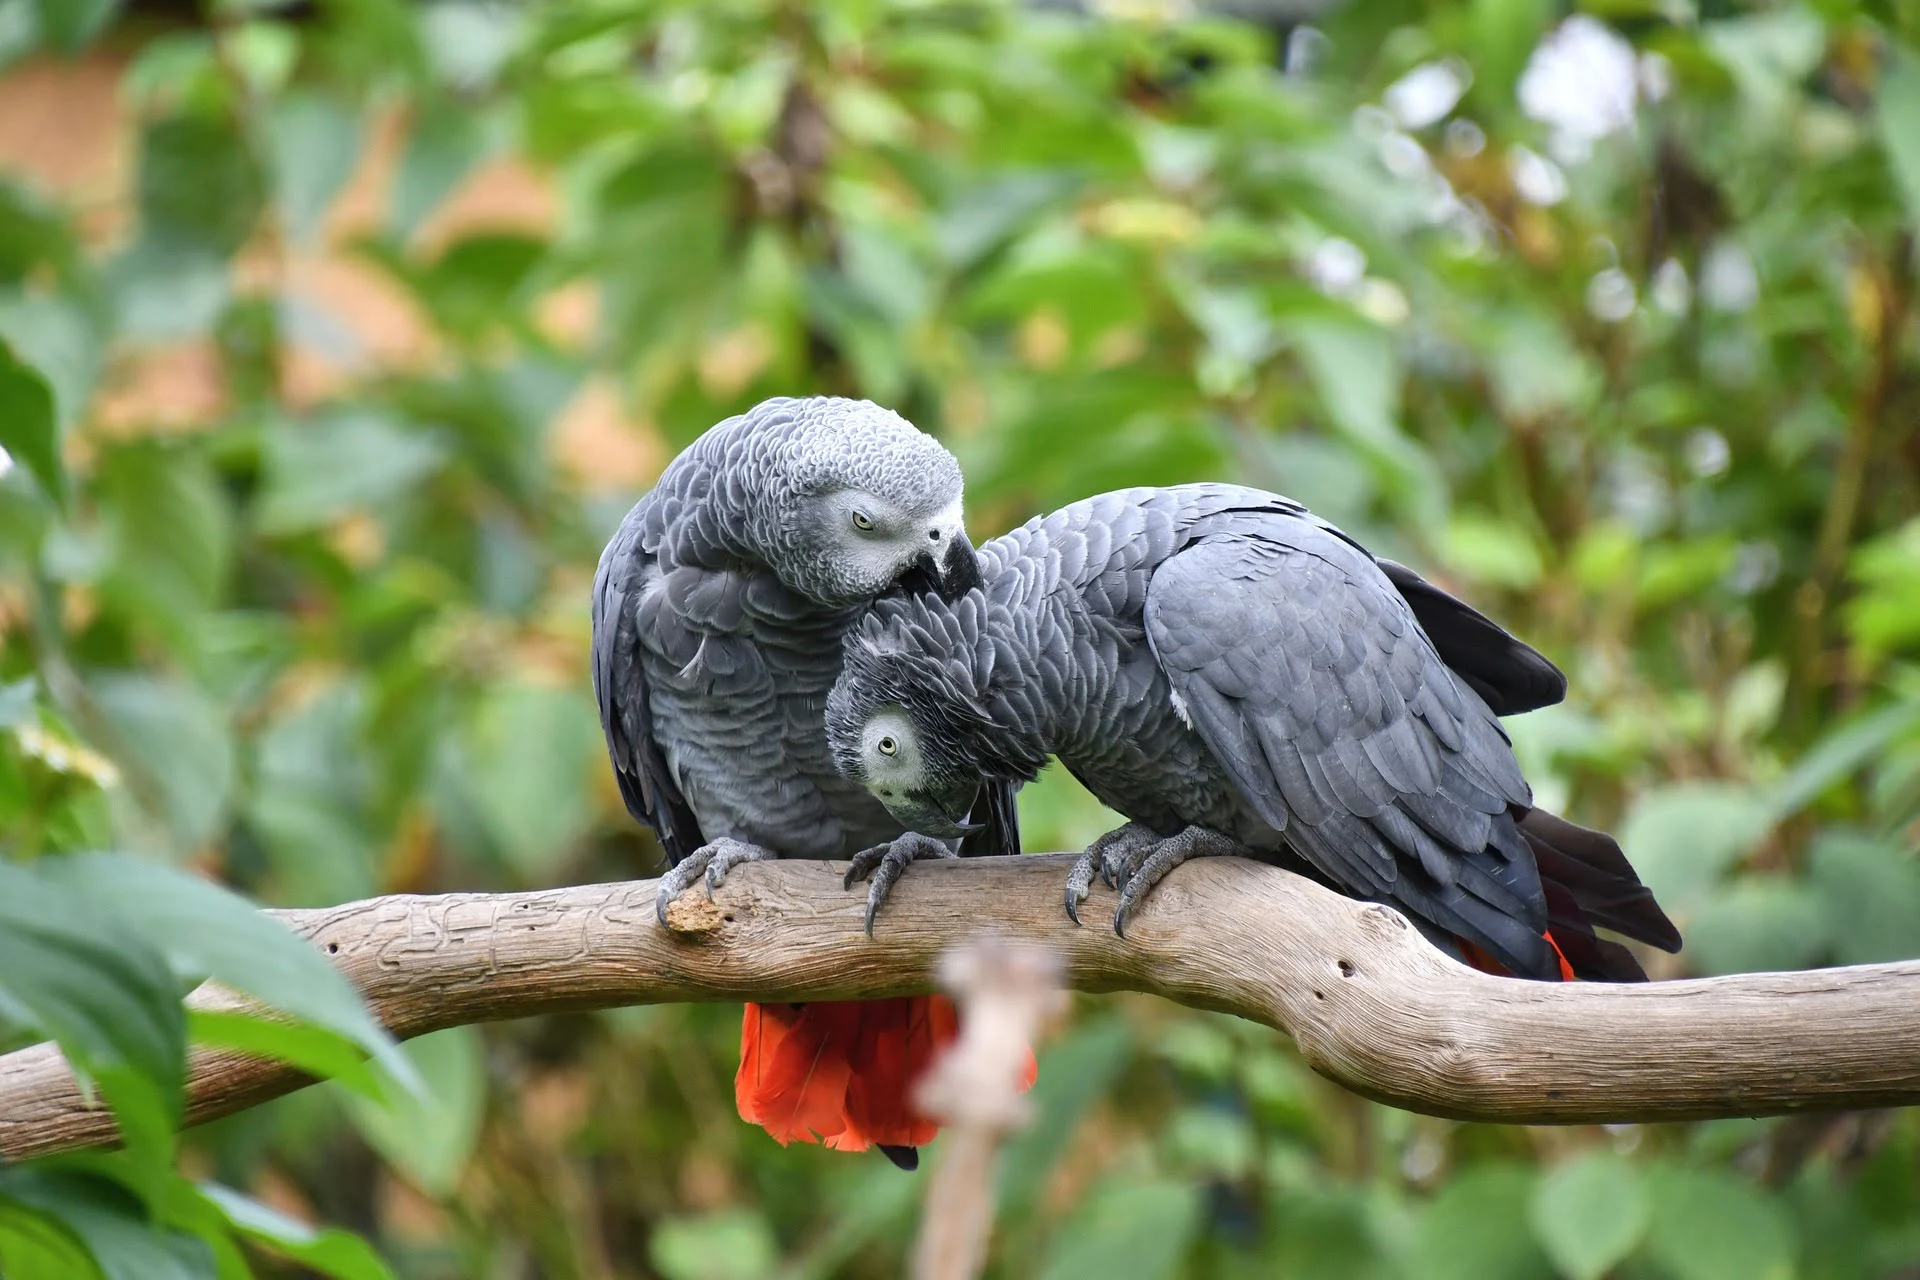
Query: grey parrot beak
[
  {"x": 959, "y": 571},
  {"x": 932, "y": 816}
]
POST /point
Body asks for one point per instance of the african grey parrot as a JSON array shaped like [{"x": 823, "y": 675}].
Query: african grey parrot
[
  {"x": 719, "y": 611},
  {"x": 1235, "y": 675}
]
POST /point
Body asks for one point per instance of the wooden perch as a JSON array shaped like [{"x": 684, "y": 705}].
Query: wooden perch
[{"x": 1372, "y": 1005}]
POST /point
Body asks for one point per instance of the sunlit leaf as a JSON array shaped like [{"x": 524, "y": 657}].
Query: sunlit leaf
[
  {"x": 316, "y": 142},
  {"x": 329, "y": 1252},
  {"x": 1589, "y": 1213},
  {"x": 1356, "y": 372},
  {"x": 1683, "y": 837},
  {"x": 1476, "y": 1229},
  {"x": 1709, "y": 1225},
  {"x": 525, "y": 759},
  {"x": 732, "y": 1244},
  {"x": 1844, "y": 750},
  {"x": 176, "y": 747},
  {"x": 207, "y": 931},
  {"x": 29, "y": 429},
  {"x": 428, "y": 1133},
  {"x": 1074, "y": 1073},
  {"x": 69, "y": 25},
  {"x": 1126, "y": 1226},
  {"x": 442, "y": 147},
  {"x": 1898, "y": 113},
  {"x": 75, "y": 971},
  {"x": 109, "y": 1224},
  {"x": 1869, "y": 888},
  {"x": 349, "y": 460}
]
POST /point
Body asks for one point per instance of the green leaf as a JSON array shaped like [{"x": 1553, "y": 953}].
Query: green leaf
[
  {"x": 527, "y": 756},
  {"x": 69, "y": 25},
  {"x": 73, "y": 970},
  {"x": 1841, "y": 753},
  {"x": 1536, "y": 369},
  {"x": 1075, "y": 1073},
  {"x": 732, "y": 1244},
  {"x": 172, "y": 536},
  {"x": 29, "y": 428},
  {"x": 429, "y": 1133},
  {"x": 323, "y": 1054},
  {"x": 1709, "y": 1225},
  {"x": 1490, "y": 551},
  {"x": 1476, "y": 1229},
  {"x": 33, "y": 1245},
  {"x": 345, "y": 461},
  {"x": 1898, "y": 114},
  {"x": 1683, "y": 838},
  {"x": 339, "y": 1254},
  {"x": 1758, "y": 925},
  {"x": 1126, "y": 1227},
  {"x": 200, "y": 187},
  {"x": 1355, "y": 369},
  {"x": 316, "y": 143},
  {"x": 206, "y": 931},
  {"x": 443, "y": 146},
  {"x": 1869, "y": 888},
  {"x": 467, "y": 41},
  {"x": 1590, "y": 1213},
  {"x": 109, "y": 1223},
  {"x": 177, "y": 748}
]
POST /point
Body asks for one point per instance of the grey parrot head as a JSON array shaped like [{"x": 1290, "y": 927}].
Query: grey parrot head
[
  {"x": 853, "y": 500},
  {"x": 912, "y": 720}
]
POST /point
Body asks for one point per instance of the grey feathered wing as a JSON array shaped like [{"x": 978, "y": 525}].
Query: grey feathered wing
[
  {"x": 1304, "y": 670},
  {"x": 620, "y": 687},
  {"x": 1509, "y": 674}
]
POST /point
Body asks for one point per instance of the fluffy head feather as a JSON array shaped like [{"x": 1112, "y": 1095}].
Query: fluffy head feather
[
  {"x": 840, "y": 498},
  {"x": 914, "y": 662}
]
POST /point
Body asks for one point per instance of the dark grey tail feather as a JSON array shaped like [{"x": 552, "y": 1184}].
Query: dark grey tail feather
[
  {"x": 907, "y": 1158},
  {"x": 1598, "y": 879},
  {"x": 1495, "y": 928},
  {"x": 995, "y": 807},
  {"x": 1594, "y": 959},
  {"x": 1511, "y": 675}
]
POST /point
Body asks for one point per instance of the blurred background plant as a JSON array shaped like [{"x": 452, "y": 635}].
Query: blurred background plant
[{"x": 335, "y": 337}]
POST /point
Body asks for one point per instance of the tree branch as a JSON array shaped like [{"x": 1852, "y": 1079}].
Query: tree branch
[{"x": 1371, "y": 1004}]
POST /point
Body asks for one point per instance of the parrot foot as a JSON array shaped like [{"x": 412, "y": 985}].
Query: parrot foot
[
  {"x": 1103, "y": 854},
  {"x": 712, "y": 860},
  {"x": 1146, "y": 866},
  {"x": 886, "y": 863}
]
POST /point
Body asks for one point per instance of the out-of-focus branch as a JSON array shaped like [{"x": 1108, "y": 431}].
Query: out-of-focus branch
[
  {"x": 1006, "y": 991},
  {"x": 1371, "y": 1004}
]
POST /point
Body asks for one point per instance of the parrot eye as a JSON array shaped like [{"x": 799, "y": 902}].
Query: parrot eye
[
  {"x": 887, "y": 746},
  {"x": 934, "y": 534},
  {"x": 861, "y": 521}
]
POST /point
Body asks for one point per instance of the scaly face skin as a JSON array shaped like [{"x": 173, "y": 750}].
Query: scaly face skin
[
  {"x": 923, "y": 789},
  {"x": 854, "y": 544}
]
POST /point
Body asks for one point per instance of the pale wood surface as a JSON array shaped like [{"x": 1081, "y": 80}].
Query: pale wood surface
[{"x": 1370, "y": 1003}]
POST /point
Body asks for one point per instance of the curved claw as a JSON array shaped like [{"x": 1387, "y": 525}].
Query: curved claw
[
  {"x": 1151, "y": 862},
  {"x": 711, "y": 861},
  {"x": 885, "y": 863},
  {"x": 1080, "y": 880}
]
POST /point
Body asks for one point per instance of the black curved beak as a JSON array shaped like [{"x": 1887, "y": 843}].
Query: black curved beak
[
  {"x": 932, "y": 814},
  {"x": 959, "y": 570}
]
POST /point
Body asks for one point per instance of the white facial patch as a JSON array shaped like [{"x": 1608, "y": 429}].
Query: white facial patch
[{"x": 891, "y": 754}]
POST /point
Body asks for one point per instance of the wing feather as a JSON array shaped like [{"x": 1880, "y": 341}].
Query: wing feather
[
  {"x": 620, "y": 687},
  {"x": 1304, "y": 669}
]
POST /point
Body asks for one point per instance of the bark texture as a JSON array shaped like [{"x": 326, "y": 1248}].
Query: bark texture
[{"x": 1370, "y": 1003}]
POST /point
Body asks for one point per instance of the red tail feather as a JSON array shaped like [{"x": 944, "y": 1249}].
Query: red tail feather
[{"x": 841, "y": 1073}]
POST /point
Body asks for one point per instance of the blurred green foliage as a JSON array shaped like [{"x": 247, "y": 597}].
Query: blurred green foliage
[{"x": 1606, "y": 318}]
